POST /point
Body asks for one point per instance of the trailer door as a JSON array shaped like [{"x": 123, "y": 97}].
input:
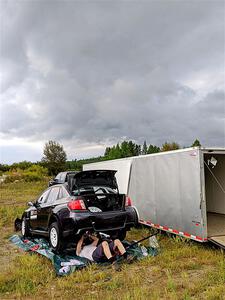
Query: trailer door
[
  {"x": 166, "y": 190},
  {"x": 214, "y": 169}
]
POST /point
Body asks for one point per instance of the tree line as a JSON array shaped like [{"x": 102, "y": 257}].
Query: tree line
[{"x": 55, "y": 158}]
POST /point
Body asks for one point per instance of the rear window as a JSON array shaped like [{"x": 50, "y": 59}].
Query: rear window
[
  {"x": 94, "y": 190},
  {"x": 53, "y": 195},
  {"x": 63, "y": 193}
]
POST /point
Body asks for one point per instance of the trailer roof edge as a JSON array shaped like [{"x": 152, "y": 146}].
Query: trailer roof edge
[{"x": 204, "y": 149}]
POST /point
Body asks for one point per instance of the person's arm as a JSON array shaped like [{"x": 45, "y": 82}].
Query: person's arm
[
  {"x": 95, "y": 239},
  {"x": 79, "y": 245}
]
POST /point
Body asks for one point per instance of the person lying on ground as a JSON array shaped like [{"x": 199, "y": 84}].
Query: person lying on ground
[{"x": 101, "y": 252}]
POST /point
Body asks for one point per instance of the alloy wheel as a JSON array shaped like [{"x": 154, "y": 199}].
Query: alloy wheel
[
  {"x": 54, "y": 237},
  {"x": 23, "y": 227}
]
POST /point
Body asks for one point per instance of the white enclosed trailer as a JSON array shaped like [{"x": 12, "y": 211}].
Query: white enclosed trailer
[{"x": 181, "y": 191}]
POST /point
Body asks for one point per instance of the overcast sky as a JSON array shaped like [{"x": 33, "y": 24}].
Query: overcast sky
[{"x": 91, "y": 73}]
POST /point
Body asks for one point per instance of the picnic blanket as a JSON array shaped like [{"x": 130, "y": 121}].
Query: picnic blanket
[{"x": 65, "y": 263}]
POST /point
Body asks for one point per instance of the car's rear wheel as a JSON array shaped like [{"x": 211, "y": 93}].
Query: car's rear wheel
[
  {"x": 24, "y": 228},
  {"x": 55, "y": 238}
]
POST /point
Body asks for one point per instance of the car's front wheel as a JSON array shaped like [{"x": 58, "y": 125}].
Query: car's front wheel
[
  {"x": 24, "y": 228},
  {"x": 55, "y": 237}
]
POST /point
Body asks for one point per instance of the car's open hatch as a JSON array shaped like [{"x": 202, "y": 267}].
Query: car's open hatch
[{"x": 95, "y": 178}]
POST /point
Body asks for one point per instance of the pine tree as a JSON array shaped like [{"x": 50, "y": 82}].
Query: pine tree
[
  {"x": 196, "y": 143},
  {"x": 107, "y": 151},
  {"x": 153, "y": 149},
  {"x": 131, "y": 148},
  {"x": 144, "y": 148},
  {"x": 124, "y": 149}
]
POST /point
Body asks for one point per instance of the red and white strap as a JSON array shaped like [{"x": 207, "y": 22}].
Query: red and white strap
[{"x": 184, "y": 234}]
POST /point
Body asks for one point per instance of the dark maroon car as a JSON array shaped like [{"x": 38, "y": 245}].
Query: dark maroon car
[{"x": 88, "y": 201}]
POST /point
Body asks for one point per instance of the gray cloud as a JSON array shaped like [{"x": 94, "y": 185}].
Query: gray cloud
[{"x": 92, "y": 73}]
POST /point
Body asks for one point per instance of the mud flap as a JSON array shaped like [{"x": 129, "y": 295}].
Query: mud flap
[{"x": 17, "y": 224}]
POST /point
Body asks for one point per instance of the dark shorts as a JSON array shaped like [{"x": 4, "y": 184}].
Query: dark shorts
[{"x": 99, "y": 256}]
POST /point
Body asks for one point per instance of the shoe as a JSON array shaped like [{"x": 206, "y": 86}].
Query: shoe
[{"x": 116, "y": 266}]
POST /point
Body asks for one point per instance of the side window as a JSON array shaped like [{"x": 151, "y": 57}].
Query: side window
[
  {"x": 53, "y": 195},
  {"x": 63, "y": 193},
  {"x": 63, "y": 177},
  {"x": 43, "y": 197}
]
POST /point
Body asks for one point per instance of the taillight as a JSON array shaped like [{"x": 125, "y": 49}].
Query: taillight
[
  {"x": 76, "y": 205},
  {"x": 128, "y": 201}
]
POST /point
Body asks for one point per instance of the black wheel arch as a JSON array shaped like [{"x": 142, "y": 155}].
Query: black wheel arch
[
  {"x": 25, "y": 214},
  {"x": 54, "y": 218}
]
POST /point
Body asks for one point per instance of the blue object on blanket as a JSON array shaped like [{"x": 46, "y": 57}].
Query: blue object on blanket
[{"x": 66, "y": 264}]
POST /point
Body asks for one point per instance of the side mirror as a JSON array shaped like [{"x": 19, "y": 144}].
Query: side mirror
[
  {"x": 30, "y": 203},
  {"x": 36, "y": 204}
]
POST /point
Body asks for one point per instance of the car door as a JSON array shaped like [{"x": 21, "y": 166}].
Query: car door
[
  {"x": 35, "y": 211},
  {"x": 47, "y": 206}
]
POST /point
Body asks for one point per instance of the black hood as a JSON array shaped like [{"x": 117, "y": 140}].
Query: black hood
[{"x": 96, "y": 178}]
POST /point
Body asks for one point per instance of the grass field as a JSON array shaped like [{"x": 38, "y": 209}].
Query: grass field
[{"x": 183, "y": 270}]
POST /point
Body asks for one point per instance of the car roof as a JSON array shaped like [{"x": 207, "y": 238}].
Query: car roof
[{"x": 69, "y": 172}]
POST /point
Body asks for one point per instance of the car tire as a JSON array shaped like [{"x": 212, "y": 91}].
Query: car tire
[
  {"x": 55, "y": 238},
  {"x": 25, "y": 227}
]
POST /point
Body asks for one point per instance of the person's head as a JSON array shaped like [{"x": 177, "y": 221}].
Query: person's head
[{"x": 87, "y": 239}]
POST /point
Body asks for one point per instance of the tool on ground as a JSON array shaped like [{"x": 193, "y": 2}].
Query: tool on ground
[{"x": 139, "y": 241}]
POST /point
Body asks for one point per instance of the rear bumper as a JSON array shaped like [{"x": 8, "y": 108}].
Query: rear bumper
[{"x": 101, "y": 222}]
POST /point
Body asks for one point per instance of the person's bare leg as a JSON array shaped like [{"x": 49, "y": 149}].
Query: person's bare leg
[
  {"x": 119, "y": 245},
  {"x": 106, "y": 250}
]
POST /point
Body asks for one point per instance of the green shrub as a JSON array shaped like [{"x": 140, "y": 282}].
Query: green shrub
[
  {"x": 29, "y": 176},
  {"x": 20, "y": 165},
  {"x": 33, "y": 173},
  {"x": 12, "y": 177},
  {"x": 39, "y": 170}
]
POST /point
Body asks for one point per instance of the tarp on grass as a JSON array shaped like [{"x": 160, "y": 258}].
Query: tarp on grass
[{"x": 65, "y": 264}]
